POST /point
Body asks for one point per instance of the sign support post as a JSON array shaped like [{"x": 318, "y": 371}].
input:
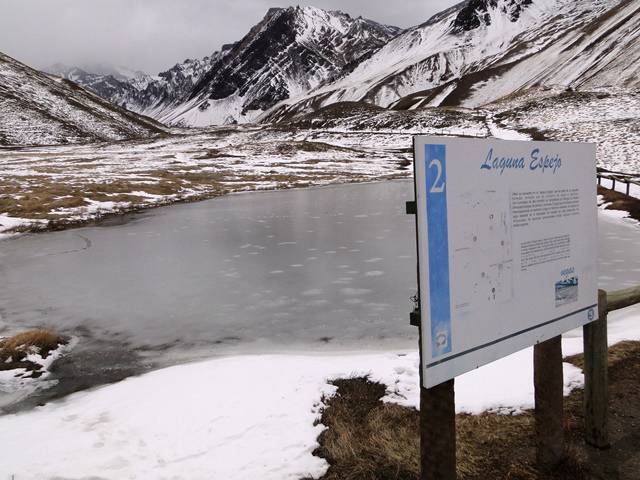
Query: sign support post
[
  {"x": 549, "y": 412},
  {"x": 438, "y": 432}
]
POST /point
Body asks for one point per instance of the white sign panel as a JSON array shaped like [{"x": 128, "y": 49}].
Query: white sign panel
[{"x": 507, "y": 244}]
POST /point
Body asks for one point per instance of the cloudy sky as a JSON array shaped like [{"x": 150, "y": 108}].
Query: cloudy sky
[{"x": 153, "y": 35}]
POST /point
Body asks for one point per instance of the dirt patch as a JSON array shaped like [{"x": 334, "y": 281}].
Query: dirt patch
[
  {"x": 367, "y": 439},
  {"x": 620, "y": 201},
  {"x": 294, "y": 148}
]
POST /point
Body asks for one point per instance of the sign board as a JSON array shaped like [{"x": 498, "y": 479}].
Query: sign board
[{"x": 507, "y": 247}]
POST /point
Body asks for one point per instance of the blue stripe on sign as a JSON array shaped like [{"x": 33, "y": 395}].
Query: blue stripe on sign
[{"x": 439, "y": 295}]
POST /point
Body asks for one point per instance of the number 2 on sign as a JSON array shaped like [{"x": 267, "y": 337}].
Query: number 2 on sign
[{"x": 435, "y": 188}]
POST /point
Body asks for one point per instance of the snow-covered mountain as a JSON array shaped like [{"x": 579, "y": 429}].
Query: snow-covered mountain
[
  {"x": 300, "y": 59},
  {"x": 118, "y": 72},
  {"x": 38, "y": 109},
  {"x": 136, "y": 90},
  {"x": 481, "y": 50},
  {"x": 291, "y": 51},
  {"x": 114, "y": 84}
]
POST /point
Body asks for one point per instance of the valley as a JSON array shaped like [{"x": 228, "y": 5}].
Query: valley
[{"x": 53, "y": 187}]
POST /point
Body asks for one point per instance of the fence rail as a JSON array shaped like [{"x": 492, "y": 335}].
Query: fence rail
[
  {"x": 626, "y": 178},
  {"x": 623, "y": 298}
]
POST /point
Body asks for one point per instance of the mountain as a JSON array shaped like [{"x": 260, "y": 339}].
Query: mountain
[
  {"x": 136, "y": 90},
  {"x": 481, "y": 50},
  {"x": 120, "y": 73},
  {"x": 291, "y": 51},
  {"x": 116, "y": 85},
  {"x": 37, "y": 109}
]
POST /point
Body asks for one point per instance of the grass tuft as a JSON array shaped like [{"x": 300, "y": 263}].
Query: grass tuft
[{"x": 16, "y": 348}]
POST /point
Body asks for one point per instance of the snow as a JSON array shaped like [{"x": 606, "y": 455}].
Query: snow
[
  {"x": 243, "y": 417},
  {"x": 8, "y": 223},
  {"x": 326, "y": 40},
  {"x": 18, "y": 383},
  {"x": 503, "y": 133},
  {"x": 233, "y": 418},
  {"x": 362, "y": 147}
]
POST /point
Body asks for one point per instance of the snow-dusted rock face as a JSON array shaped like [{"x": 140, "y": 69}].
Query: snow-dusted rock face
[
  {"x": 108, "y": 83},
  {"x": 481, "y": 50},
  {"x": 37, "y": 109},
  {"x": 476, "y": 13},
  {"x": 137, "y": 91},
  {"x": 291, "y": 51}
]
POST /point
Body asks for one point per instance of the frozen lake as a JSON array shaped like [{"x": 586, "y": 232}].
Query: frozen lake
[
  {"x": 330, "y": 267},
  {"x": 319, "y": 268}
]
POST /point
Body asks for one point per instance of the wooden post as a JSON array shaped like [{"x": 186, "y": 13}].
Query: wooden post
[
  {"x": 628, "y": 187},
  {"x": 596, "y": 391},
  {"x": 438, "y": 432},
  {"x": 548, "y": 382}
]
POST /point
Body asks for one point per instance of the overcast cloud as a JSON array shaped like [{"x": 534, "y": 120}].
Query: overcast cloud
[{"x": 153, "y": 35}]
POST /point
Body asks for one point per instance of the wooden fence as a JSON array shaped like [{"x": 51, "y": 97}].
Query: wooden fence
[
  {"x": 627, "y": 179},
  {"x": 596, "y": 396}
]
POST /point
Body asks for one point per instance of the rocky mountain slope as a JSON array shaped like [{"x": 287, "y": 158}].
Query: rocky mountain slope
[
  {"x": 481, "y": 50},
  {"x": 291, "y": 51},
  {"x": 37, "y": 109}
]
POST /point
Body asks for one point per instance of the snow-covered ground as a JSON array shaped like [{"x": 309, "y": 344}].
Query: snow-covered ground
[
  {"x": 19, "y": 383},
  {"x": 607, "y": 118},
  {"x": 249, "y": 416},
  {"x": 240, "y": 417},
  {"x": 233, "y": 418},
  {"x": 84, "y": 182}
]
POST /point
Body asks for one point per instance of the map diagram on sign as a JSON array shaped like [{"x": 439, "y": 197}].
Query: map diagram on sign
[{"x": 482, "y": 260}]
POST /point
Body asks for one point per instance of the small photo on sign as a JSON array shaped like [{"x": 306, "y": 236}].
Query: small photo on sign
[{"x": 566, "y": 291}]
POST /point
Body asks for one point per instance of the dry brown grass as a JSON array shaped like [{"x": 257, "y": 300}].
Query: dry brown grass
[
  {"x": 620, "y": 352},
  {"x": 19, "y": 346},
  {"x": 366, "y": 439},
  {"x": 619, "y": 201},
  {"x": 369, "y": 440}
]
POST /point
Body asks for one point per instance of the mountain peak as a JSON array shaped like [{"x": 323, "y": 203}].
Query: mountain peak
[{"x": 476, "y": 13}]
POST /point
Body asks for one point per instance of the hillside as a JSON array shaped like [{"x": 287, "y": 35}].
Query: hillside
[
  {"x": 36, "y": 109},
  {"x": 481, "y": 50}
]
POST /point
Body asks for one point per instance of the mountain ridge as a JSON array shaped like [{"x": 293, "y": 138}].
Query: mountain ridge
[
  {"x": 38, "y": 109},
  {"x": 290, "y": 51},
  {"x": 433, "y": 60},
  {"x": 298, "y": 59}
]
